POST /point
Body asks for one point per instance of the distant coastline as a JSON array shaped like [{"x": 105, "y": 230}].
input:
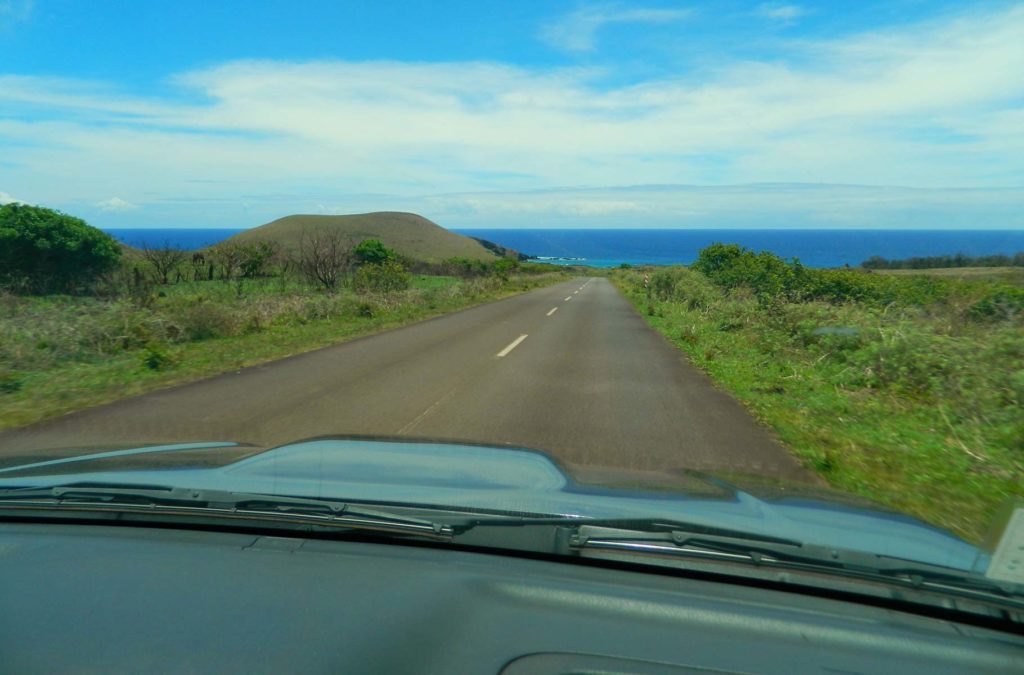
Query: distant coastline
[{"x": 610, "y": 248}]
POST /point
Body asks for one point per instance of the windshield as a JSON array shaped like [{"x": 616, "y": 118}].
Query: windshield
[{"x": 739, "y": 281}]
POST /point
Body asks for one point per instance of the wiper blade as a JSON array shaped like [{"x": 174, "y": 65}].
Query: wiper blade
[
  {"x": 134, "y": 499},
  {"x": 791, "y": 555}
]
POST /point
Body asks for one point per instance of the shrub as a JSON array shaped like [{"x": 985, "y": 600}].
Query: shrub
[
  {"x": 156, "y": 357},
  {"x": 663, "y": 284},
  {"x": 1000, "y": 304},
  {"x": 45, "y": 251},
  {"x": 10, "y": 382},
  {"x": 203, "y": 320},
  {"x": 384, "y": 278},
  {"x": 374, "y": 252},
  {"x": 502, "y": 268}
]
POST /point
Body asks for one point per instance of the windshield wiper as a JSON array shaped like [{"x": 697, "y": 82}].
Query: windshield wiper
[
  {"x": 666, "y": 540},
  {"x": 171, "y": 501}
]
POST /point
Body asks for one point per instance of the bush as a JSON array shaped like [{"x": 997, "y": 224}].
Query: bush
[
  {"x": 374, "y": 252},
  {"x": 9, "y": 382},
  {"x": 502, "y": 268},
  {"x": 46, "y": 251},
  {"x": 155, "y": 357},
  {"x": 773, "y": 280},
  {"x": 385, "y": 278},
  {"x": 1000, "y": 304},
  {"x": 202, "y": 320},
  {"x": 663, "y": 284}
]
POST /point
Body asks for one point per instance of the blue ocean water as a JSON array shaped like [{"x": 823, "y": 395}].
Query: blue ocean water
[
  {"x": 608, "y": 248},
  {"x": 179, "y": 237},
  {"x": 815, "y": 248}
]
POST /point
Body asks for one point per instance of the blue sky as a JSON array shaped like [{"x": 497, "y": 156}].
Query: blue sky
[{"x": 517, "y": 114}]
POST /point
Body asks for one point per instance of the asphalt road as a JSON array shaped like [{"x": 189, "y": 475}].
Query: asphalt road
[{"x": 571, "y": 369}]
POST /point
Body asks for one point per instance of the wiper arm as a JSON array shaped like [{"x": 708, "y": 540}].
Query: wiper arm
[
  {"x": 791, "y": 555},
  {"x": 220, "y": 504}
]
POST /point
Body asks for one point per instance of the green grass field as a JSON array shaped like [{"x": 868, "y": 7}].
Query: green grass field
[{"x": 916, "y": 405}]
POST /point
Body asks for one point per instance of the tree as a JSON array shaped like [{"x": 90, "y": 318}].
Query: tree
[
  {"x": 228, "y": 257},
  {"x": 164, "y": 259},
  {"x": 373, "y": 252},
  {"x": 324, "y": 258},
  {"x": 45, "y": 251},
  {"x": 256, "y": 258}
]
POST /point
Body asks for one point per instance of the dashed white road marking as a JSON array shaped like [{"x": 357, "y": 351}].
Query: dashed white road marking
[
  {"x": 568, "y": 299},
  {"x": 575, "y": 292},
  {"x": 552, "y": 311},
  {"x": 513, "y": 345}
]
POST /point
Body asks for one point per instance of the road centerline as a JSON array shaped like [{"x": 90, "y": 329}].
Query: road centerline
[
  {"x": 512, "y": 345},
  {"x": 568, "y": 299},
  {"x": 426, "y": 413},
  {"x": 553, "y": 310}
]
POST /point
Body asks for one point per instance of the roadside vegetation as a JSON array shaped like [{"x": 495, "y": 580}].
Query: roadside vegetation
[
  {"x": 906, "y": 389},
  {"x": 944, "y": 261},
  {"x": 82, "y": 323}
]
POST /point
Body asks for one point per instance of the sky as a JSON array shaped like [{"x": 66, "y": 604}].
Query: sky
[{"x": 895, "y": 114}]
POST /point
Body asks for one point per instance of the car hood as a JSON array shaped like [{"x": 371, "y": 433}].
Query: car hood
[{"x": 512, "y": 480}]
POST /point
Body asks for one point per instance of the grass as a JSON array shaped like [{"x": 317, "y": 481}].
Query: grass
[
  {"x": 427, "y": 281},
  {"x": 1012, "y": 275},
  {"x": 59, "y": 354},
  {"x": 920, "y": 407}
]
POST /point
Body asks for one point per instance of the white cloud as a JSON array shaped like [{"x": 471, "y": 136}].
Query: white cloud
[
  {"x": 8, "y": 199},
  {"x": 115, "y": 205},
  {"x": 782, "y": 13},
  {"x": 938, "y": 104},
  {"x": 577, "y": 31}
]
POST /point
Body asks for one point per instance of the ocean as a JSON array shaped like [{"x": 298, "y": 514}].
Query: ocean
[
  {"x": 181, "y": 237},
  {"x": 609, "y": 248}
]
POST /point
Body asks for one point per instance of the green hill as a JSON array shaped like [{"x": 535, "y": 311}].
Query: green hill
[{"x": 407, "y": 233}]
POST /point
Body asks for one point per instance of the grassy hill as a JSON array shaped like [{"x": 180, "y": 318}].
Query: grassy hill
[{"x": 407, "y": 233}]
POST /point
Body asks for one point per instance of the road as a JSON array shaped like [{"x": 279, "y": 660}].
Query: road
[{"x": 571, "y": 369}]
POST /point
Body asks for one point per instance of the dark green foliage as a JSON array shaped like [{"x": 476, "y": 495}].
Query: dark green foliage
[
  {"x": 999, "y": 304},
  {"x": 46, "y": 251},
  {"x": 155, "y": 357},
  {"x": 256, "y": 257},
  {"x": 770, "y": 277},
  {"x": 373, "y": 252},
  {"x": 504, "y": 267},
  {"x": 944, "y": 261},
  {"x": 773, "y": 280},
  {"x": 9, "y": 382}
]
